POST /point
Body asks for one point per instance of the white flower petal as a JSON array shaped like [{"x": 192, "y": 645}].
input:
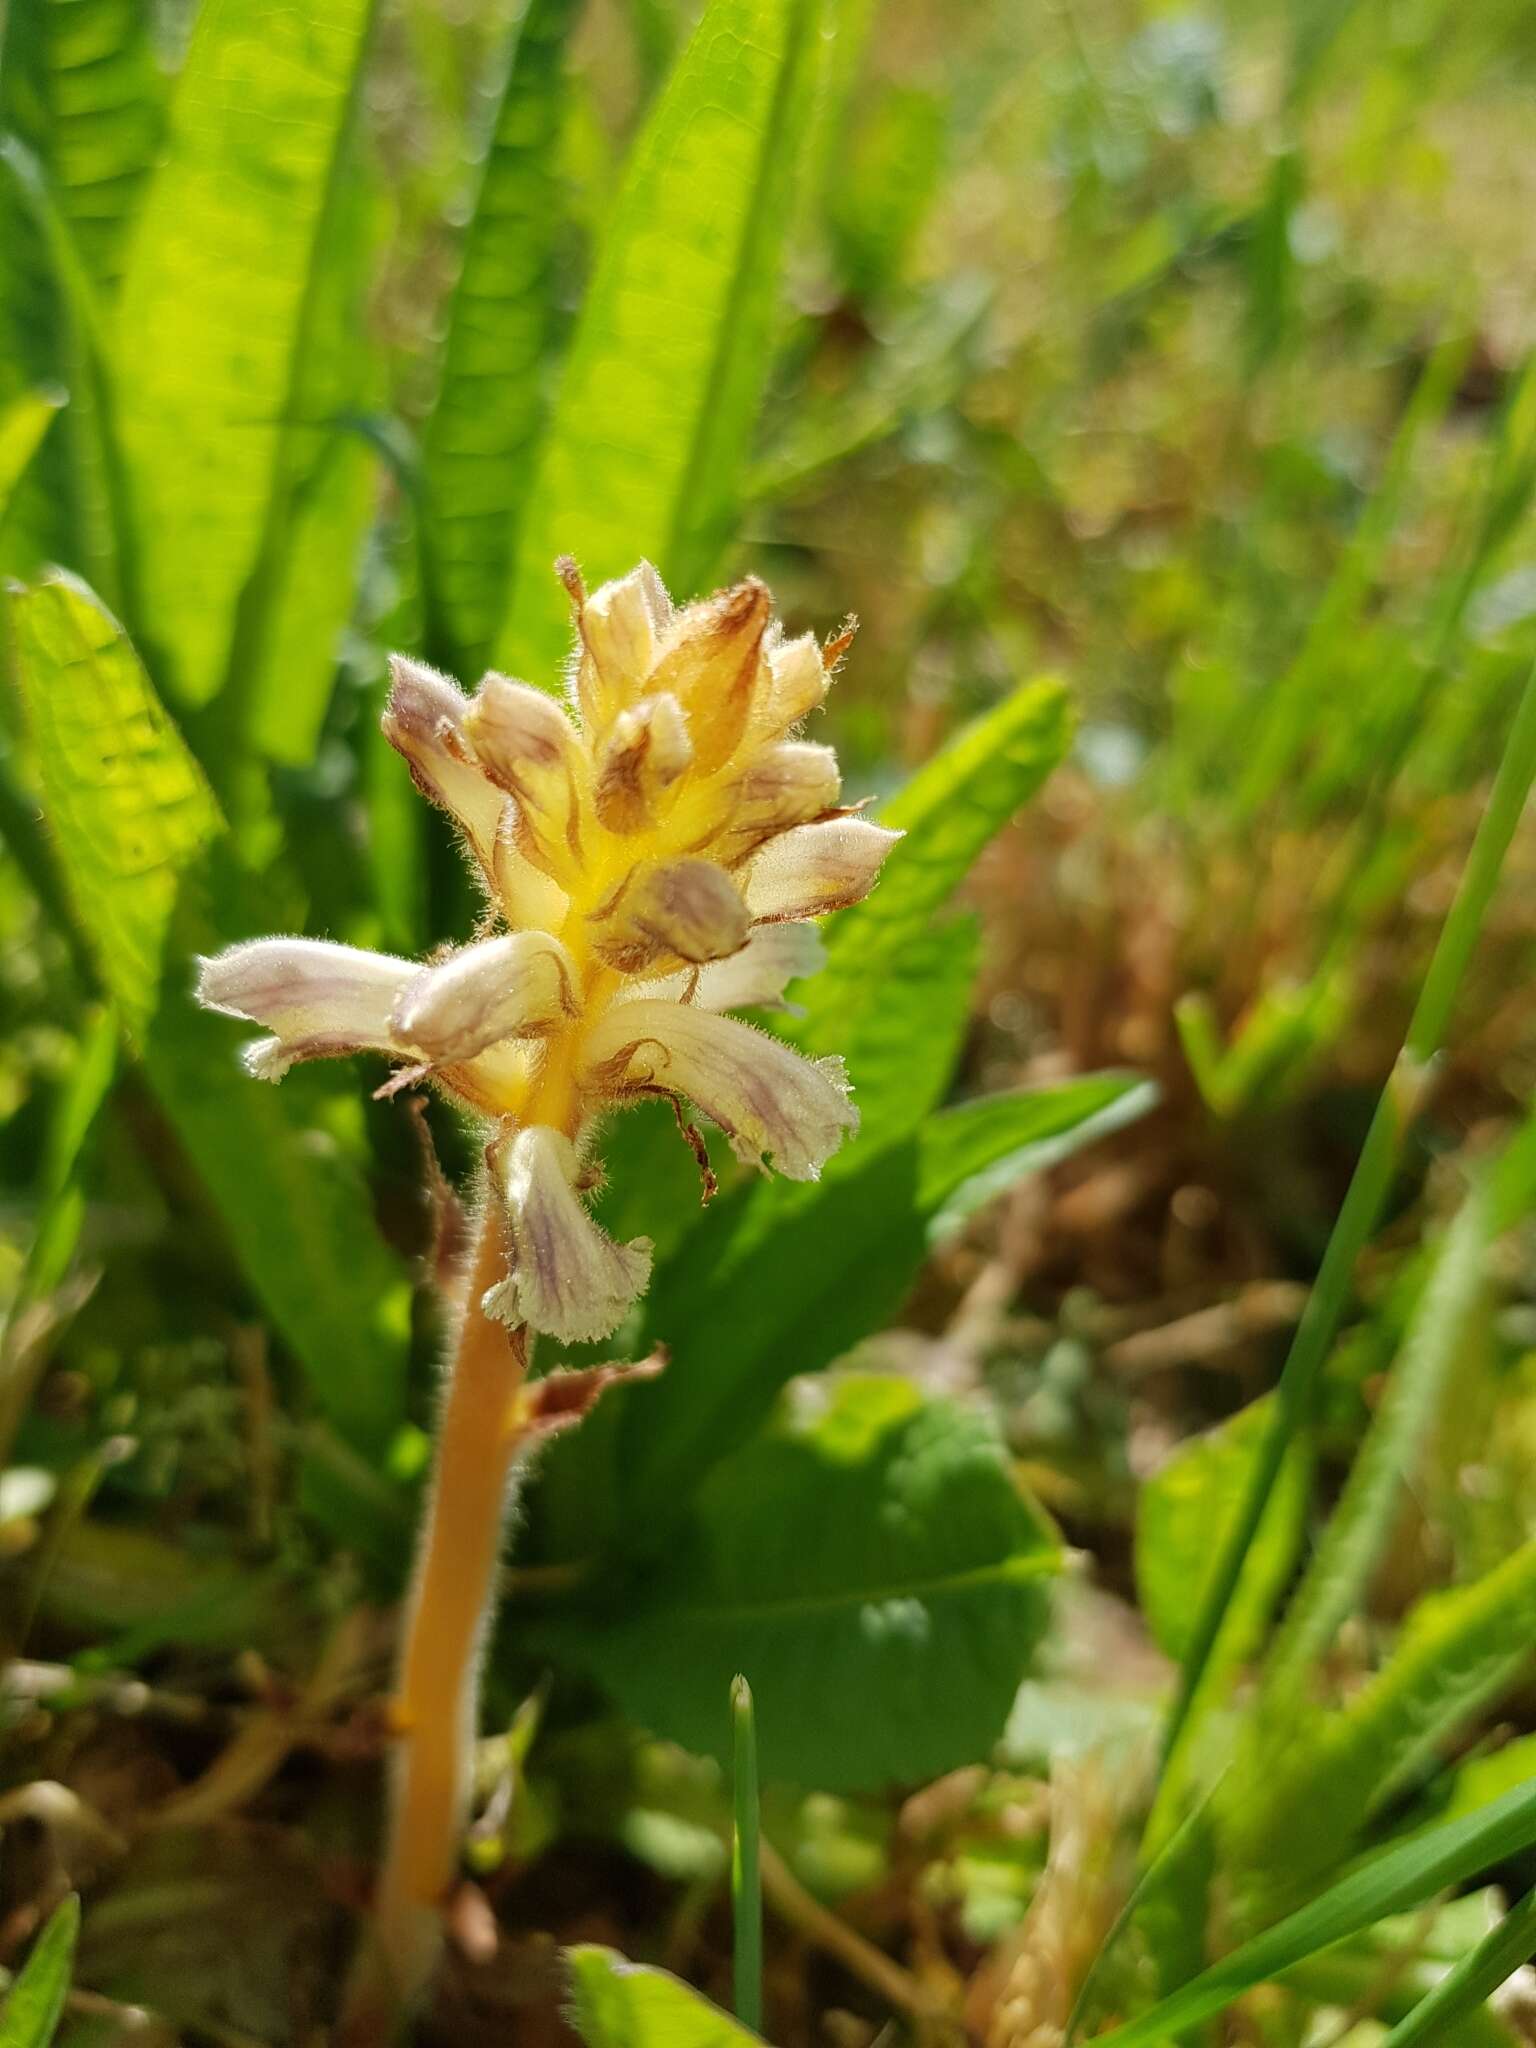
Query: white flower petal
[
  {"x": 816, "y": 868},
  {"x": 424, "y": 721},
  {"x": 766, "y": 1098},
  {"x": 567, "y": 1277},
  {"x": 518, "y": 985},
  {"x": 319, "y": 998},
  {"x": 753, "y": 979}
]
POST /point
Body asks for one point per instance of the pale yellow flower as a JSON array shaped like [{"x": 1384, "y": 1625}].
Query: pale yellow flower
[{"x": 651, "y": 857}]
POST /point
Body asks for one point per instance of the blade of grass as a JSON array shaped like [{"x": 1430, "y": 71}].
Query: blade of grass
[
  {"x": 1361, "y": 1526},
  {"x": 32, "y": 2011},
  {"x": 1371, "y": 1182},
  {"x": 1469, "y": 1982},
  {"x": 746, "y": 1871},
  {"x": 1398, "y": 1879},
  {"x": 660, "y": 392}
]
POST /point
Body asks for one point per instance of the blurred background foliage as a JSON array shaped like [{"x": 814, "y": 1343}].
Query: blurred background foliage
[{"x": 1180, "y": 352}]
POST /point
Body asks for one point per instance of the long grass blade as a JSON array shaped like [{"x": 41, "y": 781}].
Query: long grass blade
[
  {"x": 746, "y": 1871},
  {"x": 1476, "y": 1977},
  {"x": 1400, "y": 1878},
  {"x": 1372, "y": 1179}
]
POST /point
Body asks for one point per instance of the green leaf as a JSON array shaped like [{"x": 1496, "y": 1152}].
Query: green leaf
[
  {"x": 36, "y": 2001},
  {"x": 1360, "y": 1529},
  {"x": 69, "y": 506},
  {"x": 874, "y": 1572},
  {"x": 480, "y": 442},
  {"x": 1293, "y": 1814},
  {"x": 298, "y": 604},
  {"x": 1392, "y": 1882},
  {"x": 80, "y": 86},
  {"x": 875, "y": 1001},
  {"x": 1182, "y": 1516},
  {"x": 1475, "y": 1977},
  {"x": 23, "y": 424},
  {"x": 763, "y": 1290},
  {"x": 981, "y": 1148},
  {"x": 618, "y": 2004},
  {"x": 215, "y": 311},
  {"x": 141, "y": 844},
  {"x": 660, "y": 393}
]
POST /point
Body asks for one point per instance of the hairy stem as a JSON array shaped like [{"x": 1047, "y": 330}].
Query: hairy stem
[{"x": 437, "y": 1692}]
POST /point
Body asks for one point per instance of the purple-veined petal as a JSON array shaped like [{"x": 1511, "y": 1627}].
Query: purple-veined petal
[
  {"x": 424, "y": 721},
  {"x": 753, "y": 979},
  {"x": 766, "y": 1098},
  {"x": 318, "y": 998},
  {"x": 566, "y": 1277},
  {"x": 518, "y": 985},
  {"x": 816, "y": 868}
]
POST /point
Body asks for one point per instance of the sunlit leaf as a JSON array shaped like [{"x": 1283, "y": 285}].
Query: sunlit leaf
[
  {"x": 216, "y": 313},
  {"x": 35, "y": 2003},
  {"x": 877, "y": 1552},
  {"x": 480, "y": 442},
  {"x": 660, "y": 391},
  {"x": 140, "y": 840},
  {"x": 619, "y": 2004}
]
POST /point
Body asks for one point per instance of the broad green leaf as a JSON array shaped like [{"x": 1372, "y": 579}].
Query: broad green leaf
[
  {"x": 35, "y": 2002},
  {"x": 1360, "y": 1528},
  {"x": 875, "y": 1574},
  {"x": 1392, "y": 1882},
  {"x": 1038, "y": 1126},
  {"x": 618, "y": 2004},
  {"x": 756, "y": 1295},
  {"x": 216, "y": 309},
  {"x": 80, "y": 86},
  {"x": 1294, "y": 1812},
  {"x": 300, "y": 600},
  {"x": 69, "y": 504},
  {"x": 480, "y": 443},
  {"x": 141, "y": 844},
  {"x": 874, "y": 1000},
  {"x": 659, "y": 397},
  {"x": 23, "y": 424}
]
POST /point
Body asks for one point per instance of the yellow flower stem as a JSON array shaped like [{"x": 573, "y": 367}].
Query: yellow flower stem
[{"x": 435, "y": 1707}]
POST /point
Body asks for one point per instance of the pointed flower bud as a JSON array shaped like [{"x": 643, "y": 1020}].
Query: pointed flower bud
[
  {"x": 710, "y": 663},
  {"x": 621, "y": 628},
  {"x": 784, "y": 786},
  {"x": 646, "y": 750},
  {"x": 528, "y": 746},
  {"x": 565, "y": 1276},
  {"x": 683, "y": 909},
  {"x": 796, "y": 686}
]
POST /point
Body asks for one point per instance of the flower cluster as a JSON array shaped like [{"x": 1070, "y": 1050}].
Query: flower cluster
[{"x": 651, "y": 855}]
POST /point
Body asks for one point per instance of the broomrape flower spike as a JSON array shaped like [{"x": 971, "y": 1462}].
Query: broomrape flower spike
[{"x": 651, "y": 853}]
